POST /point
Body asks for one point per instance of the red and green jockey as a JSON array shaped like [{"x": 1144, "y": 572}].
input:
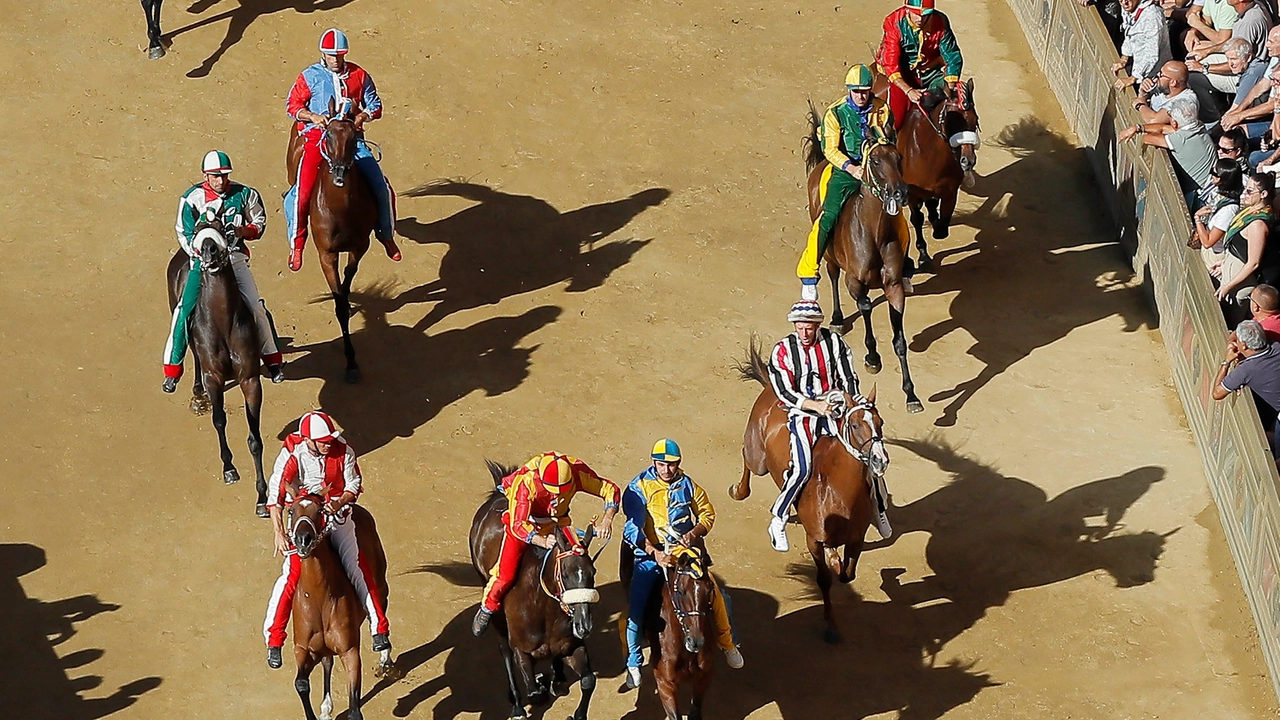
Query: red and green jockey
[
  {"x": 849, "y": 124},
  {"x": 240, "y": 210},
  {"x": 919, "y": 54}
]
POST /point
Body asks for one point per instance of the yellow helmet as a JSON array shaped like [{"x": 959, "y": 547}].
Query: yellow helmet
[
  {"x": 554, "y": 473},
  {"x": 859, "y": 77}
]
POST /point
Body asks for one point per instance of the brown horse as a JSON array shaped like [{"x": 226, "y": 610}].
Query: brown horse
[
  {"x": 939, "y": 144},
  {"x": 343, "y": 213},
  {"x": 224, "y": 345},
  {"x": 868, "y": 243},
  {"x": 835, "y": 504},
  {"x": 679, "y": 627},
  {"x": 547, "y": 612},
  {"x": 327, "y": 614}
]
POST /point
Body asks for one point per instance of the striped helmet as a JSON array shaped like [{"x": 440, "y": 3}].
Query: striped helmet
[
  {"x": 554, "y": 473},
  {"x": 317, "y": 426},
  {"x": 216, "y": 162},
  {"x": 666, "y": 450},
  {"x": 334, "y": 42},
  {"x": 805, "y": 311},
  {"x": 859, "y": 77},
  {"x": 920, "y": 7}
]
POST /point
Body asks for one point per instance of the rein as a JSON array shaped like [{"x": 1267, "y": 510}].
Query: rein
[{"x": 565, "y": 596}]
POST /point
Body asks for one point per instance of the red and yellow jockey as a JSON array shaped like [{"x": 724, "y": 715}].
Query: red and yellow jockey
[
  {"x": 539, "y": 494},
  {"x": 919, "y": 54}
]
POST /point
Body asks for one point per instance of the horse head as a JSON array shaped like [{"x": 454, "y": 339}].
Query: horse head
[
  {"x": 883, "y": 165},
  {"x": 338, "y": 141},
  {"x": 574, "y": 577},
  {"x": 306, "y": 523},
  {"x": 861, "y": 431},
  {"x": 959, "y": 124},
  {"x": 689, "y": 583},
  {"x": 210, "y": 245}
]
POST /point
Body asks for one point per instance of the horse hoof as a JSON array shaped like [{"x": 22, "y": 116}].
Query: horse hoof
[
  {"x": 230, "y": 476},
  {"x": 941, "y": 233},
  {"x": 155, "y": 53},
  {"x": 873, "y": 368},
  {"x": 830, "y": 637},
  {"x": 199, "y": 406},
  {"x": 352, "y": 375},
  {"x": 261, "y": 511},
  {"x": 915, "y": 407}
]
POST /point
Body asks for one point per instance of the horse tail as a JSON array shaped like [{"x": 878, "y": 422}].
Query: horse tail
[
  {"x": 812, "y": 141},
  {"x": 498, "y": 471},
  {"x": 755, "y": 367}
]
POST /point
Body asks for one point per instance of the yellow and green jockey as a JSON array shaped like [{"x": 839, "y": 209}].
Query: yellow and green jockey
[{"x": 849, "y": 124}]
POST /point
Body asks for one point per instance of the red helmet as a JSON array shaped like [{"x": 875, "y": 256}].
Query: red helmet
[
  {"x": 317, "y": 426},
  {"x": 554, "y": 473}
]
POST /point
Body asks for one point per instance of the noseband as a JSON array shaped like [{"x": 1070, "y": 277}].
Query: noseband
[{"x": 861, "y": 451}]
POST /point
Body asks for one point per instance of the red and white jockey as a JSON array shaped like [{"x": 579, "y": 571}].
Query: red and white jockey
[{"x": 316, "y": 460}]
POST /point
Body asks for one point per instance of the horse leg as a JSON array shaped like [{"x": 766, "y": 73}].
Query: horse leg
[
  {"x": 199, "y": 398},
  {"x": 508, "y": 661},
  {"x": 701, "y": 683},
  {"x": 581, "y": 664},
  {"x": 252, "y": 389},
  {"x": 917, "y": 221},
  {"x": 849, "y": 567},
  {"x": 559, "y": 687},
  {"x": 743, "y": 488},
  {"x": 831, "y": 634},
  {"x": 353, "y": 370},
  {"x": 341, "y": 309},
  {"x": 942, "y": 219},
  {"x": 872, "y": 361},
  {"x": 229, "y": 474},
  {"x": 524, "y": 666},
  {"x": 302, "y": 681},
  {"x": 326, "y": 705},
  {"x": 668, "y": 692},
  {"x": 837, "y": 317},
  {"x": 897, "y": 306},
  {"x": 351, "y": 662}
]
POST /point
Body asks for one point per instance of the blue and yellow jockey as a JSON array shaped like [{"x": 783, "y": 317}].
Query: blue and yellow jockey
[{"x": 660, "y": 503}]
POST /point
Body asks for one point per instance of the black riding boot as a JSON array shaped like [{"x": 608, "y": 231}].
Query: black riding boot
[
  {"x": 170, "y": 385},
  {"x": 274, "y": 661},
  {"x": 481, "y": 623},
  {"x": 381, "y": 642}
]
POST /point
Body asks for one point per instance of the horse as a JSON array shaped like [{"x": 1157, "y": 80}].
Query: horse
[
  {"x": 327, "y": 614},
  {"x": 547, "y": 612},
  {"x": 155, "y": 40},
  {"x": 868, "y": 243},
  {"x": 224, "y": 345},
  {"x": 939, "y": 152},
  {"x": 678, "y": 627},
  {"x": 342, "y": 215},
  {"x": 835, "y": 505}
]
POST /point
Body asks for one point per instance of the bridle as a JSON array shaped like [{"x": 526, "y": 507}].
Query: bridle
[
  {"x": 677, "y": 595},
  {"x": 960, "y": 105},
  {"x": 331, "y": 520},
  {"x": 862, "y": 452},
  {"x": 562, "y": 595},
  {"x": 325, "y": 139}
]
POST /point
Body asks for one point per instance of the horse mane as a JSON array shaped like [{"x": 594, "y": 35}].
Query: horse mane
[
  {"x": 754, "y": 366},
  {"x": 498, "y": 471},
  {"x": 812, "y": 142}
]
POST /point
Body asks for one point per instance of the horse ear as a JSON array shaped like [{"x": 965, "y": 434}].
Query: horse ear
[
  {"x": 332, "y": 107},
  {"x": 871, "y": 396},
  {"x": 587, "y": 537}
]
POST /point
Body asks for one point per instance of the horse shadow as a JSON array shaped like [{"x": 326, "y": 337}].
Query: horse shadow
[
  {"x": 37, "y": 681},
  {"x": 507, "y": 245},
  {"x": 417, "y": 373},
  {"x": 239, "y": 19},
  {"x": 1039, "y": 271}
]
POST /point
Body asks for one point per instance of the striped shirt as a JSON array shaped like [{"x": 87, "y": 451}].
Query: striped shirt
[{"x": 799, "y": 373}]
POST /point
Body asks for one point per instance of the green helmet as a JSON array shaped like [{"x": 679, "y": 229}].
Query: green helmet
[{"x": 859, "y": 77}]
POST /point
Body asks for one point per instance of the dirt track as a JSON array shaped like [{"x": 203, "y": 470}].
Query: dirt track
[{"x": 633, "y": 214}]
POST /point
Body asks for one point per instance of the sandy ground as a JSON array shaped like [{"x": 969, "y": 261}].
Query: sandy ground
[{"x": 629, "y": 213}]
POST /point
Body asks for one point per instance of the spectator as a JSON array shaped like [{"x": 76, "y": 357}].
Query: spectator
[
  {"x": 1248, "y": 259},
  {"x": 1264, "y": 304},
  {"x": 1234, "y": 146},
  {"x": 1252, "y": 362},
  {"x": 1212, "y": 220},
  {"x": 1214, "y": 83},
  {"x": 1169, "y": 120},
  {"x": 1109, "y": 11},
  {"x": 1253, "y": 22},
  {"x": 1268, "y": 153},
  {"x": 1253, "y": 97},
  {"x": 1145, "y": 48},
  {"x": 1208, "y": 20}
]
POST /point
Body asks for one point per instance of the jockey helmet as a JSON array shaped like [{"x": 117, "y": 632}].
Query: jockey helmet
[
  {"x": 859, "y": 77},
  {"x": 805, "y": 311},
  {"x": 919, "y": 7},
  {"x": 666, "y": 450},
  {"x": 334, "y": 42},
  {"x": 317, "y": 426},
  {"x": 554, "y": 473},
  {"x": 216, "y": 162}
]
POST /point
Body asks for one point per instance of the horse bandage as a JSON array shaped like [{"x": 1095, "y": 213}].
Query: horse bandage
[{"x": 580, "y": 595}]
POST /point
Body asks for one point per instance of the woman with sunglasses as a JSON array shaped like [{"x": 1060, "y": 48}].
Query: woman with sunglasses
[
  {"x": 1249, "y": 258},
  {"x": 1220, "y": 208}
]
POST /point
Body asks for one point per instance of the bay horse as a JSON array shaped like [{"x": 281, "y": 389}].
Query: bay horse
[
  {"x": 342, "y": 215},
  {"x": 224, "y": 345},
  {"x": 155, "y": 39},
  {"x": 679, "y": 627},
  {"x": 547, "y": 613},
  {"x": 939, "y": 143},
  {"x": 327, "y": 614},
  {"x": 868, "y": 243},
  {"x": 835, "y": 505}
]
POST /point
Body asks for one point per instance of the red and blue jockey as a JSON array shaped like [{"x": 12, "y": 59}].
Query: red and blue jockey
[{"x": 352, "y": 92}]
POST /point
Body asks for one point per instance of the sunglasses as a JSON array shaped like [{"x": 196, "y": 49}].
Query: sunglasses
[{"x": 1224, "y": 148}]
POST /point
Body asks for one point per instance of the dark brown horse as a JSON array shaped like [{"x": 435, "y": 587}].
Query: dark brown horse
[
  {"x": 868, "y": 243},
  {"x": 679, "y": 628},
  {"x": 224, "y": 345},
  {"x": 342, "y": 214},
  {"x": 547, "y": 613},
  {"x": 939, "y": 144},
  {"x": 835, "y": 505},
  {"x": 327, "y": 614}
]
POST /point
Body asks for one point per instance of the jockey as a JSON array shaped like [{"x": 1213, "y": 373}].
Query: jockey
[
  {"x": 347, "y": 85},
  {"x": 664, "y": 497},
  {"x": 318, "y": 461},
  {"x": 849, "y": 123},
  {"x": 538, "y": 497},
  {"x": 239, "y": 208},
  {"x": 803, "y": 368},
  {"x": 919, "y": 54}
]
